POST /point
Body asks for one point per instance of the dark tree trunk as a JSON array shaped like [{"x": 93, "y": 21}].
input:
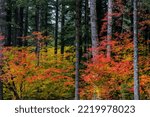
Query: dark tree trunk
[
  {"x": 135, "y": 37},
  {"x": 131, "y": 18},
  {"x": 16, "y": 26},
  {"x": 86, "y": 36},
  {"x": 37, "y": 22},
  {"x": 8, "y": 19},
  {"x": 2, "y": 33},
  {"x": 62, "y": 27},
  {"x": 78, "y": 35},
  {"x": 56, "y": 28},
  {"x": 37, "y": 18},
  {"x": 26, "y": 26},
  {"x": 46, "y": 24},
  {"x": 20, "y": 31},
  {"x": 100, "y": 13}
]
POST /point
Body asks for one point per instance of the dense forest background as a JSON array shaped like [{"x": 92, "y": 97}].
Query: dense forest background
[{"x": 74, "y": 49}]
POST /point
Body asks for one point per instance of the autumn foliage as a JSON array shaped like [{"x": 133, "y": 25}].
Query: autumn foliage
[
  {"x": 30, "y": 67},
  {"x": 24, "y": 80},
  {"x": 112, "y": 78}
]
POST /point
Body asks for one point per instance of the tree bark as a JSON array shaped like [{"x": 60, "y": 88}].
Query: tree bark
[
  {"x": 46, "y": 23},
  {"x": 56, "y": 28},
  {"x": 37, "y": 22},
  {"x": 2, "y": 33},
  {"x": 78, "y": 35},
  {"x": 9, "y": 19},
  {"x": 109, "y": 29},
  {"x": 20, "y": 31},
  {"x": 86, "y": 36},
  {"x": 135, "y": 38},
  {"x": 26, "y": 26},
  {"x": 16, "y": 17},
  {"x": 131, "y": 18},
  {"x": 62, "y": 27},
  {"x": 94, "y": 33},
  {"x": 100, "y": 14}
]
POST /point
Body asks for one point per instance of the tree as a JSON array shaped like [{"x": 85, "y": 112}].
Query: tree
[
  {"x": 38, "y": 21},
  {"x": 68, "y": 28},
  {"x": 26, "y": 24},
  {"x": 21, "y": 25},
  {"x": 2, "y": 31},
  {"x": 62, "y": 26},
  {"x": 86, "y": 34},
  {"x": 135, "y": 38},
  {"x": 56, "y": 26},
  {"x": 109, "y": 28},
  {"x": 9, "y": 20},
  {"x": 46, "y": 10},
  {"x": 16, "y": 20},
  {"x": 94, "y": 33},
  {"x": 78, "y": 37}
]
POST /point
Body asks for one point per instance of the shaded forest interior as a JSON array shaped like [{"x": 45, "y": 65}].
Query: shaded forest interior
[{"x": 74, "y": 49}]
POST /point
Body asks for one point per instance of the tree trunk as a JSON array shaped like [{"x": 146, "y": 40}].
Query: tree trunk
[
  {"x": 62, "y": 27},
  {"x": 8, "y": 19},
  {"x": 2, "y": 32},
  {"x": 56, "y": 28},
  {"x": 20, "y": 33},
  {"x": 46, "y": 24},
  {"x": 37, "y": 20},
  {"x": 109, "y": 29},
  {"x": 94, "y": 33},
  {"x": 100, "y": 13},
  {"x": 86, "y": 36},
  {"x": 26, "y": 26},
  {"x": 135, "y": 38},
  {"x": 131, "y": 18},
  {"x": 78, "y": 35},
  {"x": 16, "y": 26}
]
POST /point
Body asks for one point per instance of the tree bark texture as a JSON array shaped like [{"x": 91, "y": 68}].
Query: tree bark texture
[
  {"x": 109, "y": 28},
  {"x": 135, "y": 38},
  {"x": 9, "y": 20},
  {"x": 94, "y": 33},
  {"x": 78, "y": 35},
  {"x": 62, "y": 27},
  {"x": 37, "y": 20},
  {"x": 26, "y": 25},
  {"x": 2, "y": 33},
  {"x": 56, "y": 28}
]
